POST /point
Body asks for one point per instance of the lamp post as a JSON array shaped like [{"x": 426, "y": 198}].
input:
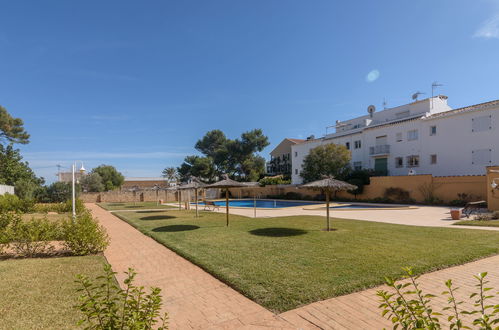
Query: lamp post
[{"x": 73, "y": 190}]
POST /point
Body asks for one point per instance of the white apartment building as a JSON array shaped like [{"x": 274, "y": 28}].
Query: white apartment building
[{"x": 423, "y": 137}]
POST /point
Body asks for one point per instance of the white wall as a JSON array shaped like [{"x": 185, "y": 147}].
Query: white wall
[
  {"x": 6, "y": 189},
  {"x": 453, "y": 144}
]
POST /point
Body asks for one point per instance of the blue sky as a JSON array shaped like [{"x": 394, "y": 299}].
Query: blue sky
[{"x": 134, "y": 84}]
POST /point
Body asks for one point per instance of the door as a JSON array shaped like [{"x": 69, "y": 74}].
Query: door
[{"x": 381, "y": 166}]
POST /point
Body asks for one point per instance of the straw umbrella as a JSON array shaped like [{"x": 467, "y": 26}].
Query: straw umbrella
[
  {"x": 227, "y": 183},
  {"x": 195, "y": 184},
  {"x": 329, "y": 185}
]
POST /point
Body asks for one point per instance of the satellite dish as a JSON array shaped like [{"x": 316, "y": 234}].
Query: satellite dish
[
  {"x": 411, "y": 172},
  {"x": 371, "y": 109}
]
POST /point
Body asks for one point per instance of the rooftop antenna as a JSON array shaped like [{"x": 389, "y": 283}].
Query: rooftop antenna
[
  {"x": 433, "y": 86},
  {"x": 384, "y": 104},
  {"x": 59, "y": 172},
  {"x": 416, "y": 95}
]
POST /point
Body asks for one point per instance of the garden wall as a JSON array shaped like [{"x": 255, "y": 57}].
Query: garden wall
[
  {"x": 444, "y": 188},
  {"x": 492, "y": 194},
  {"x": 127, "y": 196},
  {"x": 6, "y": 189}
]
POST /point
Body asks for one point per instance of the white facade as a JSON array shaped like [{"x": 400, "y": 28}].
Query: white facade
[{"x": 424, "y": 137}]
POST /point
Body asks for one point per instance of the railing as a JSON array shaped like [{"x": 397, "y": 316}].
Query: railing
[{"x": 383, "y": 149}]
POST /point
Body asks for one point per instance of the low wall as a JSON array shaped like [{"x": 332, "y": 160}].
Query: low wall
[
  {"x": 127, "y": 196},
  {"x": 444, "y": 188},
  {"x": 4, "y": 189},
  {"x": 493, "y": 193}
]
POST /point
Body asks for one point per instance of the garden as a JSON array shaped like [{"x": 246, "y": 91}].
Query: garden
[{"x": 286, "y": 262}]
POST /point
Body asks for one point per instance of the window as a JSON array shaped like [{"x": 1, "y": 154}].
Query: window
[
  {"x": 347, "y": 145},
  {"x": 482, "y": 123},
  {"x": 296, "y": 153},
  {"x": 433, "y": 159},
  {"x": 399, "y": 162},
  {"x": 357, "y": 144},
  {"x": 399, "y": 137},
  {"x": 413, "y": 161},
  {"x": 433, "y": 130},
  {"x": 357, "y": 166},
  {"x": 412, "y": 135},
  {"x": 481, "y": 157},
  {"x": 296, "y": 171}
]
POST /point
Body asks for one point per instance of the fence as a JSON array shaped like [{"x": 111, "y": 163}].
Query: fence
[{"x": 6, "y": 189}]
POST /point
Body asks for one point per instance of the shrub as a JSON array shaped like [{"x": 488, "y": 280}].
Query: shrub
[
  {"x": 60, "y": 207},
  {"x": 428, "y": 192},
  {"x": 273, "y": 180},
  {"x": 30, "y": 238},
  {"x": 408, "y": 307},
  {"x": 84, "y": 235},
  {"x": 107, "y": 306},
  {"x": 12, "y": 203},
  {"x": 293, "y": 195},
  {"x": 399, "y": 195}
]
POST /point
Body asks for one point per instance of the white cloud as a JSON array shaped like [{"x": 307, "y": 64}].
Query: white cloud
[
  {"x": 372, "y": 76},
  {"x": 489, "y": 29}
]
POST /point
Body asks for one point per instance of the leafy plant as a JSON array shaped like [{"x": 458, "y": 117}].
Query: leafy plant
[
  {"x": 273, "y": 180},
  {"x": 409, "y": 308},
  {"x": 428, "y": 190},
  {"x": 84, "y": 235},
  {"x": 398, "y": 195},
  {"x": 29, "y": 238},
  {"x": 107, "y": 306},
  {"x": 12, "y": 203}
]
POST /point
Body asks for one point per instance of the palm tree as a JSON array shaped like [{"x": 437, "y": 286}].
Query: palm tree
[{"x": 171, "y": 174}]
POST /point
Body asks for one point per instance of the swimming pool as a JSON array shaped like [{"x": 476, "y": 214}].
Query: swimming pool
[{"x": 264, "y": 203}]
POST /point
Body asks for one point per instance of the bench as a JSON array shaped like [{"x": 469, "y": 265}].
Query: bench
[
  {"x": 208, "y": 204},
  {"x": 473, "y": 207}
]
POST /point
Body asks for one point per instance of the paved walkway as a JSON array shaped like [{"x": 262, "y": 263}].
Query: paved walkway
[
  {"x": 196, "y": 300},
  {"x": 193, "y": 298},
  {"x": 430, "y": 216}
]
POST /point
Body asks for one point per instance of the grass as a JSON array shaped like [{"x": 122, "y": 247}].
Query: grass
[
  {"x": 282, "y": 263},
  {"x": 133, "y": 206},
  {"x": 480, "y": 223},
  {"x": 40, "y": 293}
]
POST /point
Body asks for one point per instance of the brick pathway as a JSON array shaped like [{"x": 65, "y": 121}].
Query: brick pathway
[
  {"x": 196, "y": 300},
  {"x": 193, "y": 298}
]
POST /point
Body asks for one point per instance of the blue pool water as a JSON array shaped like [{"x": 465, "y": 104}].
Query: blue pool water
[{"x": 263, "y": 203}]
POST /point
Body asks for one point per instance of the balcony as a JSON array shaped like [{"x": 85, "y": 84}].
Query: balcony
[{"x": 380, "y": 150}]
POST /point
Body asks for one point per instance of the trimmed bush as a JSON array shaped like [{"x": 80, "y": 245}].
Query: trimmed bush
[
  {"x": 84, "y": 235},
  {"x": 12, "y": 203},
  {"x": 28, "y": 238}
]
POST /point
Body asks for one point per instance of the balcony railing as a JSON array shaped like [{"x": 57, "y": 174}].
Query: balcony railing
[{"x": 383, "y": 149}]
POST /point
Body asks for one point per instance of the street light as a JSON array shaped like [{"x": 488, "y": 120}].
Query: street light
[{"x": 82, "y": 170}]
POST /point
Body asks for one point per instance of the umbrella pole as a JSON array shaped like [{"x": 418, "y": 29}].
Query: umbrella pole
[
  {"x": 327, "y": 209},
  {"x": 179, "y": 201},
  {"x": 254, "y": 204},
  {"x": 227, "y": 204},
  {"x": 196, "y": 192}
]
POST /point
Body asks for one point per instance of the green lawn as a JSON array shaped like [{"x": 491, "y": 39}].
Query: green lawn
[
  {"x": 283, "y": 263},
  {"x": 480, "y": 223},
  {"x": 133, "y": 206},
  {"x": 40, "y": 293}
]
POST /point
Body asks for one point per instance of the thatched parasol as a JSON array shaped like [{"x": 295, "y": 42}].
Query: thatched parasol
[
  {"x": 194, "y": 183},
  {"x": 328, "y": 185},
  {"x": 227, "y": 183}
]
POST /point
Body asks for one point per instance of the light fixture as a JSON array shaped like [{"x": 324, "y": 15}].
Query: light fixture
[
  {"x": 494, "y": 184},
  {"x": 82, "y": 169}
]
